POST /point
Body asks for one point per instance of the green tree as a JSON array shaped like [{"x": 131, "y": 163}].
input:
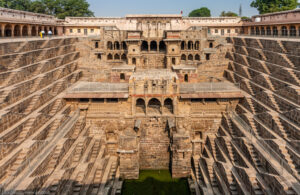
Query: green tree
[
  {"x": 228, "y": 14},
  {"x": 58, "y": 8},
  {"x": 269, "y": 6},
  {"x": 202, "y": 12},
  {"x": 23, "y": 5}
]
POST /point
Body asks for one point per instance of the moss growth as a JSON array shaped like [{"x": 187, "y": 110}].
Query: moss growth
[{"x": 158, "y": 182}]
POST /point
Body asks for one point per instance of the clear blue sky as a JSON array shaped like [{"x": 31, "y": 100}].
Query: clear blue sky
[{"x": 120, "y": 8}]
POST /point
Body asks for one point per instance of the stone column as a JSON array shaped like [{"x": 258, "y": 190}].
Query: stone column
[
  {"x": 157, "y": 44},
  {"x": 12, "y": 30},
  {"x": 37, "y": 30},
  {"x": 21, "y": 30},
  {"x": 29, "y": 30},
  {"x": 2, "y": 30}
]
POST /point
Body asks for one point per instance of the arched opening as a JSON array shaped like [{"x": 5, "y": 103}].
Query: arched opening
[
  {"x": 134, "y": 61},
  {"x": 275, "y": 31},
  {"x": 17, "y": 30},
  {"x": 7, "y": 30},
  {"x": 168, "y": 106},
  {"x": 117, "y": 45},
  {"x": 122, "y": 77},
  {"x": 190, "y": 57},
  {"x": 257, "y": 31},
  {"x": 162, "y": 46},
  {"x": 154, "y": 106},
  {"x": 197, "y": 45},
  {"x": 284, "y": 31},
  {"x": 207, "y": 56},
  {"x": 144, "y": 46},
  {"x": 140, "y": 106},
  {"x": 25, "y": 31},
  {"x": 190, "y": 45},
  {"x": 299, "y": 31},
  {"x": 109, "y": 45},
  {"x": 183, "y": 57},
  {"x": 197, "y": 57},
  {"x": 117, "y": 57},
  {"x": 123, "y": 57},
  {"x": 173, "y": 61},
  {"x": 96, "y": 44},
  {"x": 211, "y": 45},
  {"x": 40, "y": 29},
  {"x": 293, "y": 31},
  {"x": 124, "y": 45},
  {"x": 153, "y": 46},
  {"x": 109, "y": 57},
  {"x": 55, "y": 31},
  {"x": 262, "y": 31},
  {"x": 186, "y": 78},
  {"x": 33, "y": 31},
  {"x": 252, "y": 31},
  {"x": 182, "y": 45},
  {"x": 268, "y": 30}
]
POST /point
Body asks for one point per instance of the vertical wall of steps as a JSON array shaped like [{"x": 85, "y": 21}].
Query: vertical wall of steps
[
  {"x": 258, "y": 143},
  {"x": 44, "y": 146}
]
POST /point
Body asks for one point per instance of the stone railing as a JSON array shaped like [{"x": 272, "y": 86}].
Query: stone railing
[{"x": 11, "y": 16}]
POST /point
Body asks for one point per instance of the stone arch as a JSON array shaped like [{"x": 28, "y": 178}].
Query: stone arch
[
  {"x": 144, "y": 46},
  {"x": 124, "y": 45},
  {"x": 268, "y": 30},
  {"x": 124, "y": 57},
  {"x": 109, "y": 45},
  {"x": 197, "y": 57},
  {"x": 153, "y": 46},
  {"x": 25, "y": 30},
  {"x": 293, "y": 31},
  {"x": 168, "y": 106},
  {"x": 117, "y": 45},
  {"x": 109, "y": 57},
  {"x": 162, "y": 46},
  {"x": 182, "y": 45},
  {"x": 190, "y": 57},
  {"x": 183, "y": 57},
  {"x": 134, "y": 61},
  {"x": 190, "y": 45},
  {"x": 257, "y": 31},
  {"x": 154, "y": 106},
  {"x": 197, "y": 45},
  {"x": 252, "y": 30},
  {"x": 140, "y": 107},
  {"x": 275, "y": 31},
  {"x": 284, "y": 31},
  {"x": 262, "y": 31},
  {"x": 8, "y": 30},
  {"x": 173, "y": 61},
  {"x": 96, "y": 44},
  {"x": 211, "y": 45},
  {"x": 186, "y": 78},
  {"x": 17, "y": 30},
  {"x": 33, "y": 31},
  {"x": 117, "y": 57}
]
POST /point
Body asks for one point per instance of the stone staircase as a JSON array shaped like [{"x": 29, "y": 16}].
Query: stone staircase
[{"x": 32, "y": 104}]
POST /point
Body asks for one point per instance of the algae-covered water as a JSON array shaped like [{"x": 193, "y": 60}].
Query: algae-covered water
[{"x": 155, "y": 182}]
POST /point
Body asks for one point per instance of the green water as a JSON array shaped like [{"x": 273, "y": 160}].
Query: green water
[{"x": 155, "y": 182}]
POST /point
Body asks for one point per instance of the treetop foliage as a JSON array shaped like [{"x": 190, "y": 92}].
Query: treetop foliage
[
  {"x": 201, "y": 12},
  {"x": 269, "y": 6},
  {"x": 58, "y": 8},
  {"x": 228, "y": 14}
]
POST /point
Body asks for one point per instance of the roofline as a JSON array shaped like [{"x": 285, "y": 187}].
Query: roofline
[{"x": 277, "y": 13}]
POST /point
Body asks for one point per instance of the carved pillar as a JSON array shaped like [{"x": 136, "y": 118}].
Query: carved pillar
[
  {"x": 37, "y": 30},
  {"x": 29, "y": 30},
  {"x": 2, "y": 30},
  {"x": 12, "y": 30},
  {"x": 21, "y": 30}
]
